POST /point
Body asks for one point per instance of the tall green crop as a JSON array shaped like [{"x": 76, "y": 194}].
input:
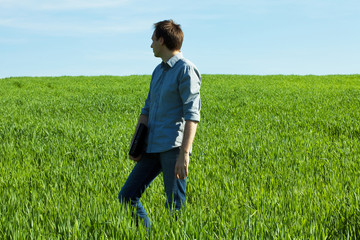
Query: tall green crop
[{"x": 275, "y": 157}]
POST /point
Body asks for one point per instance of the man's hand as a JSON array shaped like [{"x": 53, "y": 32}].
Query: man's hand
[
  {"x": 182, "y": 163},
  {"x": 135, "y": 159},
  {"x": 181, "y": 166}
]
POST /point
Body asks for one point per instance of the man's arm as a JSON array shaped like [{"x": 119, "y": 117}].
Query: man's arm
[
  {"x": 182, "y": 163},
  {"x": 142, "y": 119}
]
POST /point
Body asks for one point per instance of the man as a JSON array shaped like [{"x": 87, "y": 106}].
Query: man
[{"x": 171, "y": 112}]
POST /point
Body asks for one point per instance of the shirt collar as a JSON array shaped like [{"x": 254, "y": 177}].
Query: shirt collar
[{"x": 173, "y": 60}]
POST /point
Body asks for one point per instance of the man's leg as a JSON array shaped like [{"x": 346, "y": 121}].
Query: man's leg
[
  {"x": 175, "y": 188},
  {"x": 144, "y": 172}
]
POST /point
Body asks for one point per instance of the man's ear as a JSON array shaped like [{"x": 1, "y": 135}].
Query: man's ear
[{"x": 161, "y": 40}]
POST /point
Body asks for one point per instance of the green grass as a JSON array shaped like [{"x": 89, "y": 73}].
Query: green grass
[{"x": 275, "y": 157}]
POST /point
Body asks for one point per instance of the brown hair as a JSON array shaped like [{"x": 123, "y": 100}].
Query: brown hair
[{"x": 171, "y": 33}]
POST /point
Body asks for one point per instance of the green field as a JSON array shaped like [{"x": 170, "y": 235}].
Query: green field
[{"x": 275, "y": 157}]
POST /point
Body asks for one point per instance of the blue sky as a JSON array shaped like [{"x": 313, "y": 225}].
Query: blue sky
[{"x": 113, "y": 37}]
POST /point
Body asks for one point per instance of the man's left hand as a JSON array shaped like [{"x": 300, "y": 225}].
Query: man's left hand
[{"x": 181, "y": 166}]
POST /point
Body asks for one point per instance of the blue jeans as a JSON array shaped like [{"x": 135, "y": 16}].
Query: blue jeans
[{"x": 144, "y": 172}]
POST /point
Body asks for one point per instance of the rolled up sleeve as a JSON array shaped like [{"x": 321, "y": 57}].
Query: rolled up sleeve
[{"x": 189, "y": 89}]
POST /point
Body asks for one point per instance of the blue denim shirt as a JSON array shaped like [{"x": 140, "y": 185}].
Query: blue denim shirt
[{"x": 173, "y": 98}]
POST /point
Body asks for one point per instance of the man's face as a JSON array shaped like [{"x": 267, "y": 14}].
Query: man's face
[{"x": 156, "y": 45}]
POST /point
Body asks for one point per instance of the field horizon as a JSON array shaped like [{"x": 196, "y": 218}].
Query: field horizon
[{"x": 203, "y": 74}]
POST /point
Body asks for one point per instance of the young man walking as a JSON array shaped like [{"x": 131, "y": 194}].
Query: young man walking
[{"x": 171, "y": 112}]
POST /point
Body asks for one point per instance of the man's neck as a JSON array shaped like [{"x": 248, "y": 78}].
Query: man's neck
[{"x": 168, "y": 55}]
